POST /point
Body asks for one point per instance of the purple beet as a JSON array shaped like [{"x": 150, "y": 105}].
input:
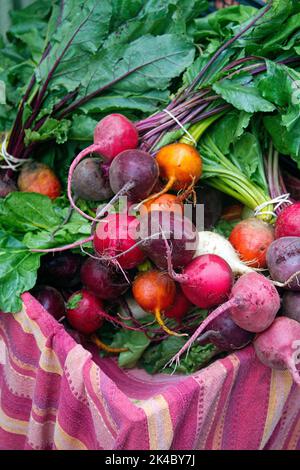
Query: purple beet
[
  {"x": 291, "y": 305},
  {"x": 103, "y": 280},
  {"x": 51, "y": 299},
  {"x": 90, "y": 180},
  {"x": 61, "y": 269},
  {"x": 156, "y": 227},
  {"x": 7, "y": 184},
  {"x": 226, "y": 335},
  {"x": 133, "y": 173}
]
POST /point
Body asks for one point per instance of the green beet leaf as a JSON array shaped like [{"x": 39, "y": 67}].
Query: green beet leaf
[
  {"x": 18, "y": 272},
  {"x": 135, "y": 341},
  {"x": 242, "y": 93},
  {"x": 156, "y": 356},
  {"x": 22, "y": 212},
  {"x": 286, "y": 141}
]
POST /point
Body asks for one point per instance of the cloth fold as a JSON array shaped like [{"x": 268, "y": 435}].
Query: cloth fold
[{"x": 55, "y": 394}]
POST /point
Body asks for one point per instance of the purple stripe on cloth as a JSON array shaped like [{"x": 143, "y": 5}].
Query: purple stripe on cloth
[
  {"x": 248, "y": 406},
  {"x": 56, "y": 394}
]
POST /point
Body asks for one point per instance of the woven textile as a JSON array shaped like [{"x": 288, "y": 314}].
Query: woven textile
[{"x": 57, "y": 395}]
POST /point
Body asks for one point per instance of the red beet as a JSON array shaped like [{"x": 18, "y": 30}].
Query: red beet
[
  {"x": 226, "y": 334},
  {"x": 288, "y": 222},
  {"x": 114, "y": 134},
  {"x": 181, "y": 234},
  {"x": 279, "y": 346},
  {"x": 206, "y": 281},
  {"x": 117, "y": 234},
  {"x": 180, "y": 307},
  {"x": 84, "y": 311}
]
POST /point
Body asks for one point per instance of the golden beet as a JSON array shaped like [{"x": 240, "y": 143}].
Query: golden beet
[{"x": 39, "y": 178}]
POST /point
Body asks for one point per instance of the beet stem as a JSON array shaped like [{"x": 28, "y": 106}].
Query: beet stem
[
  {"x": 212, "y": 316},
  {"x": 129, "y": 185},
  {"x": 105, "y": 347},
  {"x": 289, "y": 280},
  {"x": 163, "y": 191},
  {"x": 181, "y": 278},
  {"x": 226, "y": 45},
  {"x": 63, "y": 248},
  {"x": 164, "y": 327}
]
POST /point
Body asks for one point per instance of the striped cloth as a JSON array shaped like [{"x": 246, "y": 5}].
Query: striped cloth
[{"x": 54, "y": 394}]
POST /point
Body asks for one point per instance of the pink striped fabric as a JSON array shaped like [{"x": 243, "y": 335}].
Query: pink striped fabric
[{"x": 54, "y": 394}]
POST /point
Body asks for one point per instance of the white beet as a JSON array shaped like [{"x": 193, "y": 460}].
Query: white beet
[{"x": 213, "y": 243}]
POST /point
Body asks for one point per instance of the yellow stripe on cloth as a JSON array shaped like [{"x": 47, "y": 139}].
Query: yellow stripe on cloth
[
  {"x": 12, "y": 425},
  {"x": 43, "y": 411},
  {"x": 281, "y": 383},
  {"x": 24, "y": 321},
  {"x": 160, "y": 427},
  {"x": 63, "y": 440},
  {"x": 49, "y": 361},
  {"x": 218, "y": 434}
]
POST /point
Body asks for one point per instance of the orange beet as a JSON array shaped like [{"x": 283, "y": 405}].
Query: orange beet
[
  {"x": 251, "y": 239},
  {"x": 165, "y": 202},
  {"x": 39, "y": 178},
  {"x": 155, "y": 291},
  {"x": 179, "y": 164}
]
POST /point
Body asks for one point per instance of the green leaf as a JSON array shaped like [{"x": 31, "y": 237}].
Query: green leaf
[
  {"x": 243, "y": 94},
  {"x": 2, "y": 92},
  {"x": 286, "y": 141},
  {"x": 135, "y": 341},
  {"x": 282, "y": 37},
  {"x": 18, "y": 272},
  {"x": 82, "y": 28},
  {"x": 290, "y": 118},
  {"x": 246, "y": 154},
  {"x": 137, "y": 18},
  {"x": 156, "y": 357},
  {"x": 29, "y": 27},
  {"x": 75, "y": 230},
  {"x": 224, "y": 227},
  {"x": 52, "y": 129},
  {"x": 82, "y": 128},
  {"x": 229, "y": 128},
  {"x": 271, "y": 22},
  {"x": 23, "y": 212},
  {"x": 60, "y": 157},
  {"x": 145, "y": 64},
  {"x": 220, "y": 22},
  {"x": 276, "y": 84},
  {"x": 36, "y": 217},
  {"x": 144, "y": 102},
  {"x": 74, "y": 301}
]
